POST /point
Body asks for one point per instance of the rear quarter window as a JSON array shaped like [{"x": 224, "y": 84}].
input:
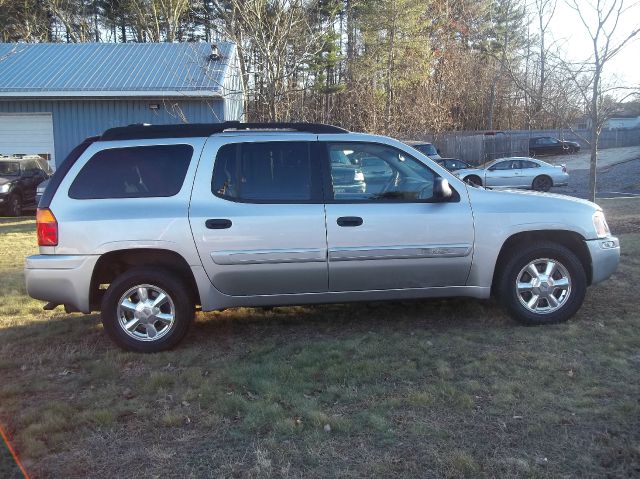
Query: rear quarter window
[{"x": 133, "y": 172}]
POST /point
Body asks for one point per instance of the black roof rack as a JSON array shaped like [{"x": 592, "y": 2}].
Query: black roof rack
[{"x": 186, "y": 130}]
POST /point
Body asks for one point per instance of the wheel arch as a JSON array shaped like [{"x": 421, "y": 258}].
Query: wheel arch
[
  {"x": 114, "y": 263},
  {"x": 542, "y": 175},
  {"x": 569, "y": 239},
  {"x": 465, "y": 178}
]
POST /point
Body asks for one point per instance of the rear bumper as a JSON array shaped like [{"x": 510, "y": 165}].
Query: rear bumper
[
  {"x": 605, "y": 256},
  {"x": 61, "y": 279}
]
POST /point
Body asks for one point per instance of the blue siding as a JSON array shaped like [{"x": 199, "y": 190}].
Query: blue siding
[{"x": 74, "y": 120}]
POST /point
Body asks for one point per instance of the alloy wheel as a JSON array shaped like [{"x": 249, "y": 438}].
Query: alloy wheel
[
  {"x": 146, "y": 312},
  {"x": 543, "y": 286}
]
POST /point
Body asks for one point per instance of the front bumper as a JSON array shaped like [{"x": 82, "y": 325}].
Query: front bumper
[
  {"x": 61, "y": 279},
  {"x": 605, "y": 256}
]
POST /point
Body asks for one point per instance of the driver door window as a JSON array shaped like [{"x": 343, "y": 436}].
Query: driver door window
[
  {"x": 503, "y": 165},
  {"x": 384, "y": 228},
  {"x": 372, "y": 172},
  {"x": 500, "y": 174}
]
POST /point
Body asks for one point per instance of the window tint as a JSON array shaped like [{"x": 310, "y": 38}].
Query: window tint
[
  {"x": 264, "y": 172},
  {"x": 456, "y": 165},
  {"x": 378, "y": 172},
  {"x": 528, "y": 164},
  {"x": 9, "y": 168},
  {"x": 426, "y": 148},
  {"x": 31, "y": 167},
  {"x": 502, "y": 165},
  {"x": 135, "y": 172}
]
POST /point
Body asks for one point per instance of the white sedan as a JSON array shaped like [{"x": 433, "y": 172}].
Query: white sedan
[{"x": 516, "y": 172}]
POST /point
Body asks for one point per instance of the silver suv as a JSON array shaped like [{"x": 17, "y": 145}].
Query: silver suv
[{"x": 145, "y": 223}]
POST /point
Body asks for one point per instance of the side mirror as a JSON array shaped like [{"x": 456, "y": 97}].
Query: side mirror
[{"x": 441, "y": 189}]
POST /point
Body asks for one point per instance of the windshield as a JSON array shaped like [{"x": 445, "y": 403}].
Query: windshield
[
  {"x": 9, "y": 168},
  {"x": 426, "y": 148}
]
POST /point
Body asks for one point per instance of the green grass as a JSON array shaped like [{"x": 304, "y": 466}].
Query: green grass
[{"x": 439, "y": 388}]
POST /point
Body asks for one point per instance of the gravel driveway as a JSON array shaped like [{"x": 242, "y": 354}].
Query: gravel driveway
[
  {"x": 622, "y": 179},
  {"x": 618, "y": 173}
]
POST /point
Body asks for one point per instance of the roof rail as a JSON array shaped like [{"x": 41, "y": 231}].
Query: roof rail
[{"x": 141, "y": 131}]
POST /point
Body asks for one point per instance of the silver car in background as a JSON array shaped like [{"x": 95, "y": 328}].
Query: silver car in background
[{"x": 516, "y": 172}]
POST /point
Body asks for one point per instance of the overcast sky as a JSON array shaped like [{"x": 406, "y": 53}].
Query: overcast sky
[{"x": 568, "y": 30}]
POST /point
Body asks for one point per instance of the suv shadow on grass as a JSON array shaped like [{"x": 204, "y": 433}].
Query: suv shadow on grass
[{"x": 448, "y": 387}]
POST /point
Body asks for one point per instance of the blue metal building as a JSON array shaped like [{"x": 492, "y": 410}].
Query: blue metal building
[{"x": 53, "y": 95}]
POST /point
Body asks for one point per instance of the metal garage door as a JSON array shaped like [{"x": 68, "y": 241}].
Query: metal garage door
[{"x": 26, "y": 134}]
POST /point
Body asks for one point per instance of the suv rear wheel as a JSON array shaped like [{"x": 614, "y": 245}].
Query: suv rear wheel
[
  {"x": 543, "y": 283},
  {"x": 147, "y": 310}
]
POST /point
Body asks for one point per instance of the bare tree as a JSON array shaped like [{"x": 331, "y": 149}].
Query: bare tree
[
  {"x": 158, "y": 20},
  {"x": 545, "y": 10},
  {"x": 275, "y": 42},
  {"x": 600, "y": 19}
]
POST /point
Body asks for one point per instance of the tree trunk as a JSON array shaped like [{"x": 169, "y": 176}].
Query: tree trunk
[
  {"x": 595, "y": 128},
  {"x": 593, "y": 164},
  {"x": 492, "y": 103}
]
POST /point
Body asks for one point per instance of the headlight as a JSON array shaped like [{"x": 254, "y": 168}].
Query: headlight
[
  {"x": 40, "y": 190},
  {"x": 600, "y": 224},
  {"x": 358, "y": 176},
  {"x": 5, "y": 188}
]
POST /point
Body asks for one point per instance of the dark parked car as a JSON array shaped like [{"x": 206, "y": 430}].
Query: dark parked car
[
  {"x": 547, "y": 145},
  {"x": 427, "y": 149},
  {"x": 453, "y": 164},
  {"x": 19, "y": 178}
]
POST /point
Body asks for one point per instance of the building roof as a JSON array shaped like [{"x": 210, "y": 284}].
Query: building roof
[{"x": 107, "y": 70}]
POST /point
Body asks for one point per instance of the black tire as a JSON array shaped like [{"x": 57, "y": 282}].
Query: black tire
[
  {"x": 542, "y": 183},
  {"x": 521, "y": 257},
  {"x": 180, "y": 302},
  {"x": 473, "y": 180},
  {"x": 14, "y": 205}
]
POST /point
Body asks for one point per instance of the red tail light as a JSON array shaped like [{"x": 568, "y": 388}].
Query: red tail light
[{"x": 47, "y": 227}]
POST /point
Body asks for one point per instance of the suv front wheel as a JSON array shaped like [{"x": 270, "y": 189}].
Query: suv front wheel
[
  {"x": 543, "y": 283},
  {"x": 147, "y": 310}
]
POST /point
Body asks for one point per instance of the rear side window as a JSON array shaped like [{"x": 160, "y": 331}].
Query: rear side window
[
  {"x": 265, "y": 172},
  {"x": 528, "y": 164},
  {"x": 133, "y": 172}
]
